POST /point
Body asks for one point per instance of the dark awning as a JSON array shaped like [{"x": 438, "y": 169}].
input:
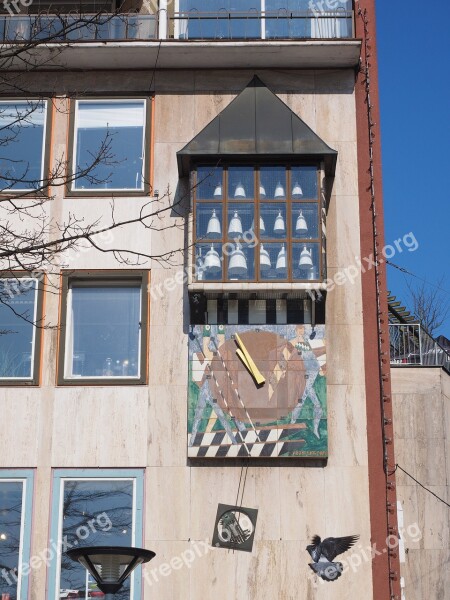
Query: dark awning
[{"x": 257, "y": 124}]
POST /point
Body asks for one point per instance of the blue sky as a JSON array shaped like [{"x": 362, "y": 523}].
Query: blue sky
[{"x": 413, "y": 52}]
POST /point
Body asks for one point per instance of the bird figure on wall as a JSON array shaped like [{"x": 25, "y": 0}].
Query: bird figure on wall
[{"x": 324, "y": 552}]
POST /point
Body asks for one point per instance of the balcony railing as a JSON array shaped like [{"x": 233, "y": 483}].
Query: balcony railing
[
  {"x": 189, "y": 25},
  {"x": 412, "y": 345},
  {"x": 77, "y": 28},
  {"x": 254, "y": 24}
]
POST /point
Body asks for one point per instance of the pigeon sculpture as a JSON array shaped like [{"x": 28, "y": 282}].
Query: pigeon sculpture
[{"x": 324, "y": 553}]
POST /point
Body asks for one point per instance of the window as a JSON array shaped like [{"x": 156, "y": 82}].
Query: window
[
  {"x": 16, "y": 490},
  {"x": 94, "y": 508},
  {"x": 22, "y": 143},
  {"x": 105, "y": 334},
  {"x": 258, "y": 224},
  {"x": 20, "y": 330},
  {"x": 110, "y": 145}
]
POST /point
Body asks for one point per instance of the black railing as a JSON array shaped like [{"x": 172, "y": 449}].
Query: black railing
[
  {"x": 254, "y": 24},
  {"x": 412, "y": 345},
  {"x": 77, "y": 27}
]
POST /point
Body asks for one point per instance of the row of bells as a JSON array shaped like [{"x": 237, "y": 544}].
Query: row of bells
[
  {"x": 235, "y": 229},
  {"x": 239, "y": 191},
  {"x": 237, "y": 264}
]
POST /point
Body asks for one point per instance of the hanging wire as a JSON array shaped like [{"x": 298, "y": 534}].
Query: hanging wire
[
  {"x": 403, "y": 270},
  {"x": 397, "y": 466}
]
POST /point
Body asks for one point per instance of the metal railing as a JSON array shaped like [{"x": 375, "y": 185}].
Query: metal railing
[
  {"x": 254, "y": 24},
  {"x": 77, "y": 27},
  {"x": 412, "y": 345}
]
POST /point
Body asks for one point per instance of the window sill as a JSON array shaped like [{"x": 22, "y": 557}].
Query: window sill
[{"x": 101, "y": 382}]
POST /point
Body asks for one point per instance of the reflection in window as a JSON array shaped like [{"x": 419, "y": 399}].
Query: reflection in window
[
  {"x": 104, "y": 333},
  {"x": 22, "y": 136},
  {"x": 196, "y": 21},
  {"x": 11, "y": 510},
  {"x": 94, "y": 513},
  {"x": 18, "y": 305},
  {"x": 113, "y": 134}
]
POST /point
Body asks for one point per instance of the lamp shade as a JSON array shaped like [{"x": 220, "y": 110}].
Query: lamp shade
[
  {"x": 279, "y": 226},
  {"x": 238, "y": 263},
  {"x": 110, "y": 565},
  {"x": 214, "y": 229},
  {"x": 301, "y": 227},
  {"x": 305, "y": 259},
  {"x": 239, "y": 192},
  {"x": 264, "y": 259},
  {"x": 281, "y": 259},
  {"x": 279, "y": 191},
  {"x": 212, "y": 261},
  {"x": 297, "y": 191},
  {"x": 235, "y": 228},
  {"x": 218, "y": 190}
]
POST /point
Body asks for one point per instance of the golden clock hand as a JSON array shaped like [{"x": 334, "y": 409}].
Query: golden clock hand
[{"x": 249, "y": 363}]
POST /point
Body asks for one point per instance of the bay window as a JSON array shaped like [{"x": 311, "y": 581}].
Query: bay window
[{"x": 258, "y": 223}]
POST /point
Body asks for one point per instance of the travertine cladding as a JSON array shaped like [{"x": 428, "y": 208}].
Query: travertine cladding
[
  {"x": 421, "y": 403},
  {"x": 146, "y": 426}
]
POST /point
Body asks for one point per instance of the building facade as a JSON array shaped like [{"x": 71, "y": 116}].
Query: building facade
[{"x": 217, "y": 334}]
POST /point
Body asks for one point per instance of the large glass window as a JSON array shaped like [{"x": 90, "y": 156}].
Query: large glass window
[
  {"x": 20, "y": 329},
  {"x": 105, "y": 322},
  {"x": 109, "y": 145},
  {"x": 258, "y": 223},
  {"x": 95, "y": 509},
  {"x": 22, "y": 139},
  {"x": 15, "y": 525}
]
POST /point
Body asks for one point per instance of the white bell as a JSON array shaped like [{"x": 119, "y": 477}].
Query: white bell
[
  {"x": 214, "y": 229},
  {"x": 262, "y": 191},
  {"x": 297, "y": 191},
  {"x": 218, "y": 191},
  {"x": 279, "y": 191},
  {"x": 279, "y": 224},
  {"x": 235, "y": 228},
  {"x": 281, "y": 259},
  {"x": 312, "y": 275},
  {"x": 212, "y": 261},
  {"x": 238, "y": 263},
  {"x": 305, "y": 259},
  {"x": 301, "y": 228},
  {"x": 262, "y": 227},
  {"x": 239, "y": 192},
  {"x": 264, "y": 259}
]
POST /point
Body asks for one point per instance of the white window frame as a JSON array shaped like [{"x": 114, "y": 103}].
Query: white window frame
[
  {"x": 93, "y": 190},
  {"x": 33, "y": 340},
  {"x": 68, "y": 350},
  {"x": 43, "y": 149}
]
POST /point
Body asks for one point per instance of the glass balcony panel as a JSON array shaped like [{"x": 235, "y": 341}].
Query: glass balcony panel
[
  {"x": 241, "y": 184},
  {"x": 288, "y": 19},
  {"x": 272, "y": 183},
  {"x": 305, "y": 221},
  {"x": 273, "y": 261},
  {"x": 219, "y": 19},
  {"x": 209, "y": 183},
  {"x": 208, "y": 262},
  {"x": 273, "y": 222},
  {"x": 209, "y": 223},
  {"x": 304, "y": 183},
  {"x": 305, "y": 262},
  {"x": 240, "y": 222},
  {"x": 240, "y": 261}
]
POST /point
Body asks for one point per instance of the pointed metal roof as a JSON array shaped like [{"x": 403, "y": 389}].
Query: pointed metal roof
[{"x": 257, "y": 124}]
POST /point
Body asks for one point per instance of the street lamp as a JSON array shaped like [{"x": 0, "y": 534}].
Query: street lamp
[{"x": 110, "y": 565}]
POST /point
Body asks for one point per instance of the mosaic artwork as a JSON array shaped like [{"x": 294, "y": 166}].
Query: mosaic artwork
[{"x": 257, "y": 391}]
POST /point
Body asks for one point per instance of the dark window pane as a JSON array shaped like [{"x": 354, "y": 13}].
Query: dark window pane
[
  {"x": 111, "y": 133},
  {"x": 304, "y": 183},
  {"x": 104, "y": 340},
  {"x": 22, "y": 127},
  {"x": 209, "y": 183},
  {"x": 95, "y": 513},
  {"x": 209, "y": 19},
  {"x": 11, "y": 493},
  {"x": 17, "y": 332}
]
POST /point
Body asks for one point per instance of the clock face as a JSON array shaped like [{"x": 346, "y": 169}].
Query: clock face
[{"x": 257, "y": 391}]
